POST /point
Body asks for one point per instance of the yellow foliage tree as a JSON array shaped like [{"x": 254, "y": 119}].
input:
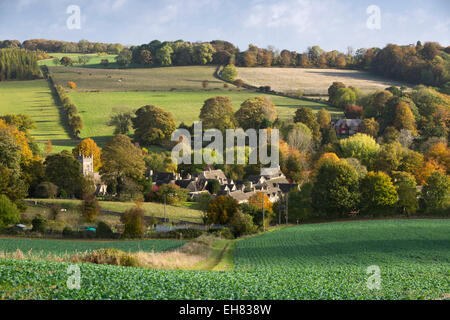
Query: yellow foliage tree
[
  {"x": 21, "y": 140},
  {"x": 440, "y": 154},
  {"x": 256, "y": 200},
  {"x": 88, "y": 147}
]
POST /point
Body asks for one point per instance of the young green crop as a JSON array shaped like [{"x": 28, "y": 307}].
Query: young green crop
[{"x": 323, "y": 261}]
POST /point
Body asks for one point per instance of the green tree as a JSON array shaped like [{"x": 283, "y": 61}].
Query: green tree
[
  {"x": 436, "y": 194},
  {"x": 203, "y": 53},
  {"x": 378, "y": 194},
  {"x": 406, "y": 186},
  {"x": 121, "y": 121},
  {"x": 344, "y": 97},
  {"x": 145, "y": 57},
  {"x": 63, "y": 170},
  {"x": 360, "y": 146},
  {"x": 122, "y": 161},
  {"x": 229, "y": 73},
  {"x": 242, "y": 224},
  {"x": 306, "y": 115},
  {"x": 163, "y": 55},
  {"x": 153, "y": 125},
  {"x": 124, "y": 58},
  {"x": 323, "y": 118},
  {"x": 332, "y": 91},
  {"x": 9, "y": 213},
  {"x": 254, "y": 111},
  {"x": 218, "y": 113},
  {"x": 66, "y": 61},
  {"x": 336, "y": 189},
  {"x": 213, "y": 186},
  {"x": 389, "y": 158}
]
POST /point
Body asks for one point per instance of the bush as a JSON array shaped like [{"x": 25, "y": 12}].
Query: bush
[
  {"x": 104, "y": 62},
  {"x": 112, "y": 257},
  {"x": 189, "y": 233},
  {"x": 205, "y": 84},
  {"x": 72, "y": 85},
  {"x": 68, "y": 232},
  {"x": 242, "y": 224},
  {"x": 9, "y": 213},
  {"x": 134, "y": 224},
  {"x": 104, "y": 231},
  {"x": 46, "y": 190},
  {"x": 239, "y": 83},
  {"x": 435, "y": 197},
  {"x": 90, "y": 207},
  {"x": 39, "y": 223}
]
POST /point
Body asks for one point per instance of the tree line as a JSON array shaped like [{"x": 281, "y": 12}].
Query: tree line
[
  {"x": 427, "y": 63},
  {"x": 18, "y": 64}
]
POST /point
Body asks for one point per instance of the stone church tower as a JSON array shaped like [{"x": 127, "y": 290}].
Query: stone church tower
[{"x": 87, "y": 164}]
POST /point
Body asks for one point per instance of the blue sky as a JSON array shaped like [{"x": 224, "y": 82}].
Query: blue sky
[{"x": 290, "y": 24}]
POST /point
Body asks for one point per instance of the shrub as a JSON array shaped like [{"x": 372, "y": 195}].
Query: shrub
[
  {"x": 68, "y": 232},
  {"x": 134, "y": 224},
  {"x": 39, "y": 223},
  {"x": 205, "y": 84},
  {"x": 46, "y": 190},
  {"x": 242, "y": 224},
  {"x": 239, "y": 83},
  {"x": 90, "y": 207},
  {"x": 104, "y": 231},
  {"x": 104, "y": 62},
  {"x": 72, "y": 85},
  {"x": 112, "y": 257},
  {"x": 9, "y": 213}
]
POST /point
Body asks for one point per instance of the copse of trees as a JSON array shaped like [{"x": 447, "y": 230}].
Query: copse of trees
[{"x": 18, "y": 64}]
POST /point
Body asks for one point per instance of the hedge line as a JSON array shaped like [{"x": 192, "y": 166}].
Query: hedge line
[{"x": 74, "y": 120}]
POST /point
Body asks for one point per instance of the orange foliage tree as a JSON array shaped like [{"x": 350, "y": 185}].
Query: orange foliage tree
[{"x": 88, "y": 147}]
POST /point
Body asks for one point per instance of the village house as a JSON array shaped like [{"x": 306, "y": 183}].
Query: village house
[{"x": 347, "y": 127}]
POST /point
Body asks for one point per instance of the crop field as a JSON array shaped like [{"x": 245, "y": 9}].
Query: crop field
[
  {"x": 94, "y": 61},
  {"x": 150, "y": 208},
  {"x": 9, "y": 245},
  {"x": 321, "y": 261},
  {"x": 35, "y": 99},
  {"x": 312, "y": 81},
  {"x": 137, "y": 79},
  {"x": 96, "y": 107}
]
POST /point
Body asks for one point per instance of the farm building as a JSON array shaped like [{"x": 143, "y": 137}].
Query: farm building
[{"x": 347, "y": 127}]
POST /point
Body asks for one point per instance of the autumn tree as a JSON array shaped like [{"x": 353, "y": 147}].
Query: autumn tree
[
  {"x": 306, "y": 115},
  {"x": 254, "y": 111},
  {"x": 133, "y": 219},
  {"x": 88, "y": 148},
  {"x": 217, "y": 113},
  {"x": 153, "y": 125},
  {"x": 370, "y": 126},
  {"x": 404, "y": 118},
  {"x": 90, "y": 207},
  {"x": 221, "y": 210},
  {"x": 439, "y": 153},
  {"x": 361, "y": 147},
  {"x": 323, "y": 118}
]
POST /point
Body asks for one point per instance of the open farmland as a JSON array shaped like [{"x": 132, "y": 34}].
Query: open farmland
[
  {"x": 151, "y": 208},
  {"x": 137, "y": 79},
  {"x": 96, "y": 107},
  {"x": 38, "y": 246},
  {"x": 34, "y": 99},
  {"x": 320, "y": 261},
  {"x": 312, "y": 81},
  {"x": 94, "y": 61}
]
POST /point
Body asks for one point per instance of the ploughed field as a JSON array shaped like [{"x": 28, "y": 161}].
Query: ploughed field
[
  {"x": 312, "y": 81},
  {"x": 317, "y": 261}
]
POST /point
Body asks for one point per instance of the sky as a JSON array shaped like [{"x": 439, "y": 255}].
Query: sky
[{"x": 284, "y": 24}]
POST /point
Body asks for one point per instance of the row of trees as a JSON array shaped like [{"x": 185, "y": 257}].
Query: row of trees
[
  {"x": 82, "y": 46},
  {"x": 18, "y": 64}
]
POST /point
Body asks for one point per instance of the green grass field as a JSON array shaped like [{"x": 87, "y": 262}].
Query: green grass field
[
  {"x": 94, "y": 61},
  {"x": 44, "y": 247},
  {"x": 35, "y": 99},
  {"x": 96, "y": 107},
  {"x": 138, "y": 79},
  {"x": 174, "y": 213},
  {"x": 319, "y": 261}
]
